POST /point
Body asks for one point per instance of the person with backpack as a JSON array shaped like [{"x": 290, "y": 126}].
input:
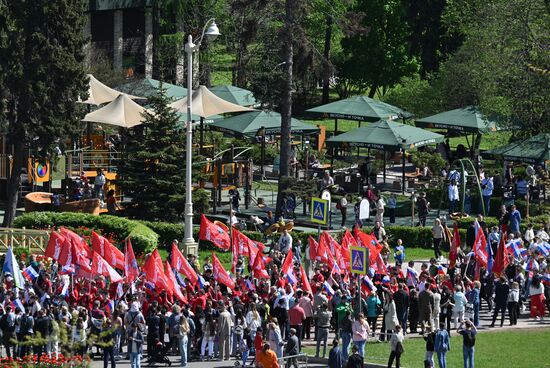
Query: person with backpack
[
  {"x": 183, "y": 338},
  {"x": 442, "y": 345},
  {"x": 468, "y": 331},
  {"x": 135, "y": 345},
  {"x": 7, "y": 325}
]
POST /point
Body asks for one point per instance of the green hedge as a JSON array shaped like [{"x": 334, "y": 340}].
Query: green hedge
[
  {"x": 537, "y": 221},
  {"x": 143, "y": 238}
]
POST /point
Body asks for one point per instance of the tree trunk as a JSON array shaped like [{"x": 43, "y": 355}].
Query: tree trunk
[
  {"x": 373, "y": 90},
  {"x": 14, "y": 183},
  {"x": 240, "y": 72},
  {"x": 326, "y": 65},
  {"x": 286, "y": 104}
]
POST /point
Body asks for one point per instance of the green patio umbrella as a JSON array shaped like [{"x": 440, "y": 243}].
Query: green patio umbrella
[
  {"x": 358, "y": 108},
  {"x": 236, "y": 95},
  {"x": 147, "y": 87},
  {"x": 531, "y": 150},
  {"x": 466, "y": 119},
  {"x": 386, "y": 136},
  {"x": 260, "y": 123},
  {"x": 250, "y": 123}
]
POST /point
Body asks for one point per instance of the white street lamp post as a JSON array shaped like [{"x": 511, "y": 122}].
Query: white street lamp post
[{"x": 190, "y": 48}]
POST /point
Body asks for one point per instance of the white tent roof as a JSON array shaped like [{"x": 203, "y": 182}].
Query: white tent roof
[
  {"x": 122, "y": 112},
  {"x": 204, "y": 103},
  {"x": 99, "y": 93}
]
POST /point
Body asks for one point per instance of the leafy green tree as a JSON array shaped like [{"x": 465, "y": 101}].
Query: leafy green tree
[
  {"x": 379, "y": 58},
  {"x": 429, "y": 39},
  {"x": 504, "y": 61},
  {"x": 152, "y": 174},
  {"x": 42, "y": 77}
]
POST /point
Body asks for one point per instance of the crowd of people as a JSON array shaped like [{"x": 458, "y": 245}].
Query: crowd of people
[{"x": 270, "y": 318}]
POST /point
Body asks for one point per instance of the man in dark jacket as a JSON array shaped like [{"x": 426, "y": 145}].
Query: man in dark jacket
[
  {"x": 292, "y": 348},
  {"x": 153, "y": 330},
  {"x": 355, "y": 360},
  {"x": 401, "y": 299},
  {"x": 42, "y": 326},
  {"x": 501, "y": 300},
  {"x": 335, "y": 357}
]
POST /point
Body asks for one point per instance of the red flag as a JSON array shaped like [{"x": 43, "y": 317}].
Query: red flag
[
  {"x": 77, "y": 240},
  {"x": 155, "y": 273},
  {"x": 455, "y": 246},
  {"x": 329, "y": 242},
  {"x": 211, "y": 232},
  {"x": 305, "y": 282},
  {"x": 220, "y": 274},
  {"x": 107, "y": 250},
  {"x": 55, "y": 244},
  {"x": 81, "y": 262},
  {"x": 180, "y": 264},
  {"x": 101, "y": 267},
  {"x": 480, "y": 246},
  {"x": 259, "y": 270},
  {"x": 348, "y": 240},
  {"x": 242, "y": 242},
  {"x": 501, "y": 258},
  {"x": 173, "y": 283},
  {"x": 323, "y": 253},
  {"x": 131, "y": 269},
  {"x": 313, "y": 248},
  {"x": 254, "y": 249},
  {"x": 368, "y": 241},
  {"x": 379, "y": 266},
  {"x": 287, "y": 268}
]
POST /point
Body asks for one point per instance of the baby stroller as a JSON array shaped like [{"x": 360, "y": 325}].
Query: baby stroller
[{"x": 159, "y": 354}]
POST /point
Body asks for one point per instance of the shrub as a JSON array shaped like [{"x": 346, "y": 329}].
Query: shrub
[{"x": 143, "y": 238}]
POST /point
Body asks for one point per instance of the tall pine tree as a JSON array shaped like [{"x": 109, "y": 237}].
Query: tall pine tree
[
  {"x": 42, "y": 76},
  {"x": 153, "y": 171}
]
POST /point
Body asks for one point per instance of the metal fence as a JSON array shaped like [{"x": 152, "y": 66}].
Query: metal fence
[{"x": 34, "y": 240}]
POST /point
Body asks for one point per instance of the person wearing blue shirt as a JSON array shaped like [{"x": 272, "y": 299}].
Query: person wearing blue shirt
[
  {"x": 473, "y": 297},
  {"x": 515, "y": 220},
  {"x": 442, "y": 345},
  {"x": 399, "y": 252}
]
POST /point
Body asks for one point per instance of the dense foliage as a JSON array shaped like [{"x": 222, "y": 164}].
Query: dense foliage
[{"x": 42, "y": 77}]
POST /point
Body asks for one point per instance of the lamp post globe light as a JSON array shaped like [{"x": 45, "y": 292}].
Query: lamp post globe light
[{"x": 211, "y": 33}]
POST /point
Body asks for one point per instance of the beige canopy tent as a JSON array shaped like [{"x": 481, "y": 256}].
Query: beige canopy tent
[
  {"x": 205, "y": 103},
  {"x": 99, "y": 93},
  {"x": 122, "y": 112}
]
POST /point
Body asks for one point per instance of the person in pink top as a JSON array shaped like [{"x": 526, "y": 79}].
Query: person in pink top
[
  {"x": 361, "y": 332},
  {"x": 307, "y": 305},
  {"x": 296, "y": 318}
]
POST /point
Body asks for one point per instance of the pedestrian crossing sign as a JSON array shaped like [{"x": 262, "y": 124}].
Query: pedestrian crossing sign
[
  {"x": 358, "y": 262},
  {"x": 319, "y": 211}
]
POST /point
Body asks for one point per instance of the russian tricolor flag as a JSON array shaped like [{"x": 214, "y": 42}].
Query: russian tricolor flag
[
  {"x": 328, "y": 288},
  {"x": 30, "y": 274},
  {"x": 440, "y": 270},
  {"x": 386, "y": 280},
  {"x": 291, "y": 276},
  {"x": 110, "y": 306},
  {"x": 517, "y": 248},
  {"x": 249, "y": 285},
  {"x": 543, "y": 249},
  {"x": 367, "y": 282}
]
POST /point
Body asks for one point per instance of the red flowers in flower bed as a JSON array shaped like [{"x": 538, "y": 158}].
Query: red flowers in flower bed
[{"x": 28, "y": 361}]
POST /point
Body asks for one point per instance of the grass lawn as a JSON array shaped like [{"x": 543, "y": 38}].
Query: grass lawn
[{"x": 516, "y": 349}]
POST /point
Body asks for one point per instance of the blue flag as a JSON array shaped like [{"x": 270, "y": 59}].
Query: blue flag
[{"x": 11, "y": 266}]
